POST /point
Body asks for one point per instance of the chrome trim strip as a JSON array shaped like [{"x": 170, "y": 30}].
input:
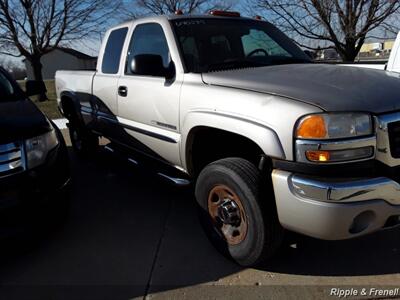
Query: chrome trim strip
[
  {"x": 320, "y": 189},
  {"x": 304, "y": 145},
  {"x": 109, "y": 148},
  {"x": 10, "y": 156},
  {"x": 140, "y": 130},
  {"x": 12, "y": 159},
  {"x": 133, "y": 161},
  {"x": 8, "y": 147},
  {"x": 10, "y": 166},
  {"x": 149, "y": 133},
  {"x": 86, "y": 109}
]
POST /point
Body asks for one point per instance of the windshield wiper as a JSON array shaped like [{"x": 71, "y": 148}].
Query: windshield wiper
[{"x": 233, "y": 64}]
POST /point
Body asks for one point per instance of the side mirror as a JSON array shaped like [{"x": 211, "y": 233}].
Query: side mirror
[
  {"x": 151, "y": 65},
  {"x": 33, "y": 87}
]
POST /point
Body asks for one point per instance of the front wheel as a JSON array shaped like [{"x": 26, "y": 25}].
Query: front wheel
[{"x": 238, "y": 212}]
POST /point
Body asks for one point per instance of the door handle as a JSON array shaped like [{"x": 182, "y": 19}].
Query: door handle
[{"x": 123, "y": 91}]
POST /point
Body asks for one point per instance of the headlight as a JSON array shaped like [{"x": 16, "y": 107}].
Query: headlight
[
  {"x": 38, "y": 147},
  {"x": 334, "y": 126},
  {"x": 334, "y": 138}
]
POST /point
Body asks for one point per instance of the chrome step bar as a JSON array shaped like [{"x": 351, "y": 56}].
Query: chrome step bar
[{"x": 176, "y": 181}]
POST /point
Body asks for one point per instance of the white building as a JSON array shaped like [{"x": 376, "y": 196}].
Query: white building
[{"x": 62, "y": 59}]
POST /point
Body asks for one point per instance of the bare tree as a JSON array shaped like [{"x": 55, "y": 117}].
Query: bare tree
[
  {"x": 32, "y": 28},
  {"x": 161, "y": 7},
  {"x": 340, "y": 24}
]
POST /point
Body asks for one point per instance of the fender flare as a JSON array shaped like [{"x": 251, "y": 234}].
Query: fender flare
[
  {"x": 75, "y": 103},
  {"x": 262, "y": 135}
]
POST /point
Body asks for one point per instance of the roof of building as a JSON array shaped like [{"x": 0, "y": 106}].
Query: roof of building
[
  {"x": 76, "y": 53},
  {"x": 73, "y": 52}
]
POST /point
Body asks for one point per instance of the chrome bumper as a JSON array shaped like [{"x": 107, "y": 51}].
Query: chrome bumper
[{"x": 332, "y": 209}]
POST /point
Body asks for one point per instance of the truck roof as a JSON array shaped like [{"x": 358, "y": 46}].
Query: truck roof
[
  {"x": 203, "y": 16},
  {"x": 177, "y": 17}
]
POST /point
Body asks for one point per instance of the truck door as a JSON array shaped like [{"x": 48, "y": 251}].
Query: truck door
[
  {"x": 148, "y": 106},
  {"x": 104, "y": 101}
]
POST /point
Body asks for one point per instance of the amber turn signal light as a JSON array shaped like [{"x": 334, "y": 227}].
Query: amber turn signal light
[
  {"x": 312, "y": 127},
  {"x": 319, "y": 156}
]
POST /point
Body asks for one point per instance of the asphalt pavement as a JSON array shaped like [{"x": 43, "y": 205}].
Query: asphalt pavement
[{"x": 131, "y": 234}]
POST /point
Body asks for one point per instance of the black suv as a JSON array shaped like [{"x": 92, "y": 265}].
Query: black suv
[{"x": 34, "y": 168}]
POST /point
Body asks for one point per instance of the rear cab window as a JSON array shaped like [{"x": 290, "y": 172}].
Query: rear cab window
[{"x": 113, "y": 51}]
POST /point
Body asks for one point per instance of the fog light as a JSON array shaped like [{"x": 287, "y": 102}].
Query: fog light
[{"x": 318, "y": 155}]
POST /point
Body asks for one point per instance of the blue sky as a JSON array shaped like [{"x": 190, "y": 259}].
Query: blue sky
[{"x": 91, "y": 46}]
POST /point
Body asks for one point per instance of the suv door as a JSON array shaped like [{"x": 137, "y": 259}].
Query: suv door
[{"x": 148, "y": 106}]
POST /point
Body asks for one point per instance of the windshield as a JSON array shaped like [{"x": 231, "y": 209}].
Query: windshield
[
  {"x": 217, "y": 44},
  {"x": 8, "y": 90}
]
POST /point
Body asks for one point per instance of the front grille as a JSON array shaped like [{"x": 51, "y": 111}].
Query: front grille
[
  {"x": 11, "y": 159},
  {"x": 394, "y": 138}
]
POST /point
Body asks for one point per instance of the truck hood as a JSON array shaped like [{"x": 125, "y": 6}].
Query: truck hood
[
  {"x": 330, "y": 87},
  {"x": 20, "y": 120}
]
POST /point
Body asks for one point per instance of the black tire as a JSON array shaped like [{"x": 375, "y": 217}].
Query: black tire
[
  {"x": 264, "y": 234},
  {"x": 83, "y": 142}
]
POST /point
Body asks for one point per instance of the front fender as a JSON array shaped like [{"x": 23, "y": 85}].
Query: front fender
[{"x": 265, "y": 137}]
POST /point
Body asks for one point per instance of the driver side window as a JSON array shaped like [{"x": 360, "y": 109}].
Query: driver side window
[
  {"x": 259, "y": 40},
  {"x": 148, "y": 39}
]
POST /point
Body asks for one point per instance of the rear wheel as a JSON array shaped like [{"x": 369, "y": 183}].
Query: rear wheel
[{"x": 238, "y": 212}]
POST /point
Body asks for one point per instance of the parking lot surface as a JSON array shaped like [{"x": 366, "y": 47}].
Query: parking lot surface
[{"x": 131, "y": 235}]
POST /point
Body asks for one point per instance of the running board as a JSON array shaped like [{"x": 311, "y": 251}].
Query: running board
[{"x": 171, "y": 174}]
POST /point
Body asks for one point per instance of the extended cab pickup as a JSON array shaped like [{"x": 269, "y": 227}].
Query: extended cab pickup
[{"x": 272, "y": 141}]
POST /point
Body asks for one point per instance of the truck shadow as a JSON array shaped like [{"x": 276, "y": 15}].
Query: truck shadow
[
  {"x": 376, "y": 254},
  {"x": 130, "y": 233}
]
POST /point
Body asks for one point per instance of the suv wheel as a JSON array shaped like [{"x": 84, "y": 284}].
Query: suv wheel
[{"x": 238, "y": 212}]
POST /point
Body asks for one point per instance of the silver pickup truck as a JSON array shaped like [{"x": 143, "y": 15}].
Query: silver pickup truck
[{"x": 272, "y": 141}]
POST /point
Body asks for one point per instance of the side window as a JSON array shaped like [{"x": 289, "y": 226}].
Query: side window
[
  {"x": 258, "y": 39},
  {"x": 148, "y": 39},
  {"x": 112, "y": 53}
]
